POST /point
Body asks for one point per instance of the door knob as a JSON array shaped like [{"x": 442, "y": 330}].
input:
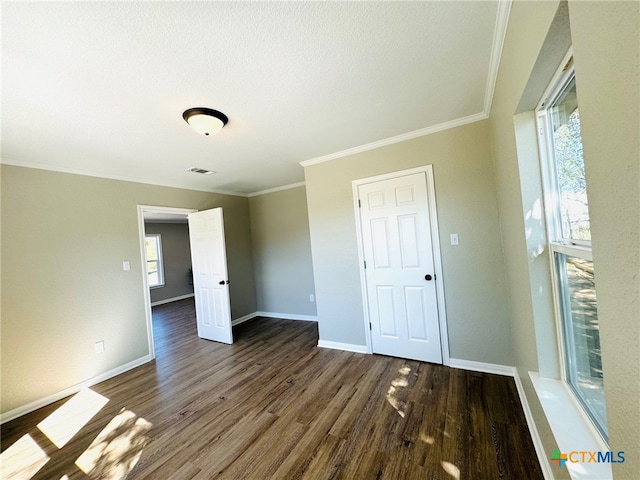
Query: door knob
[
  {"x": 428, "y": 277},
  {"x": 221, "y": 282}
]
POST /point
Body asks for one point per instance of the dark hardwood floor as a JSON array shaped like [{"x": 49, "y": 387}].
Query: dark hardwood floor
[{"x": 274, "y": 405}]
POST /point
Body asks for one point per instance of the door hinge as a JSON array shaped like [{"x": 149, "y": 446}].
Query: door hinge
[
  {"x": 370, "y": 326},
  {"x": 359, "y": 204},
  {"x": 365, "y": 264}
]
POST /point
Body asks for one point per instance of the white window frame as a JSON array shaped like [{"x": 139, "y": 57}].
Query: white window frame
[
  {"x": 158, "y": 239},
  {"x": 556, "y": 243}
]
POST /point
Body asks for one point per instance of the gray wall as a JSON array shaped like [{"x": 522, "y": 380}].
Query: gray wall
[
  {"x": 176, "y": 260},
  {"x": 607, "y": 59},
  {"x": 64, "y": 238},
  {"x": 282, "y": 252},
  {"x": 607, "y": 53},
  {"x": 528, "y": 25},
  {"x": 474, "y": 276}
]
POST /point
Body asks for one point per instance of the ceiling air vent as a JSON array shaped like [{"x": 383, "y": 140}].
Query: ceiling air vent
[{"x": 200, "y": 170}]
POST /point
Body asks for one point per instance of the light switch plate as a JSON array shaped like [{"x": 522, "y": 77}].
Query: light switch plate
[
  {"x": 454, "y": 239},
  {"x": 126, "y": 265}
]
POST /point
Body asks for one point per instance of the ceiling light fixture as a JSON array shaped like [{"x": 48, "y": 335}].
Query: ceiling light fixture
[{"x": 205, "y": 120}]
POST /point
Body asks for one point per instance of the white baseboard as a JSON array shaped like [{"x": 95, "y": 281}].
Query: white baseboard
[
  {"x": 174, "y": 299},
  {"x": 43, "y": 402},
  {"x": 288, "y": 316},
  {"x": 283, "y": 316},
  {"x": 482, "y": 367},
  {"x": 348, "y": 347},
  {"x": 533, "y": 430},
  {"x": 246, "y": 318}
]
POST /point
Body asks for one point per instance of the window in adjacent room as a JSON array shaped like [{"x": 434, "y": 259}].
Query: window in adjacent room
[
  {"x": 153, "y": 248},
  {"x": 569, "y": 242}
]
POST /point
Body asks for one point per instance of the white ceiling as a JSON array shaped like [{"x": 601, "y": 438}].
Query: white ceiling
[{"x": 99, "y": 88}]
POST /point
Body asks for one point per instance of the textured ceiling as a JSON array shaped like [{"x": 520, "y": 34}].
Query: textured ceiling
[{"x": 99, "y": 88}]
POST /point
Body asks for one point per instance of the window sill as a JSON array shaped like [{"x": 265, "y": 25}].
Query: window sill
[{"x": 572, "y": 430}]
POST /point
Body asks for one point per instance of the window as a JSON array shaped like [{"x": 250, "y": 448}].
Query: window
[
  {"x": 569, "y": 242},
  {"x": 153, "y": 248}
]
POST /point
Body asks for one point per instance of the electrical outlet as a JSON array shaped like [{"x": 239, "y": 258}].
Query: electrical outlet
[{"x": 100, "y": 346}]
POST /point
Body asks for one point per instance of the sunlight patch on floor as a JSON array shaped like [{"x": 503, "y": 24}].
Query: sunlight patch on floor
[
  {"x": 428, "y": 439},
  {"x": 400, "y": 382},
  {"x": 66, "y": 421},
  {"x": 22, "y": 460},
  {"x": 451, "y": 469},
  {"x": 117, "y": 449},
  {"x": 111, "y": 456},
  {"x": 396, "y": 384}
]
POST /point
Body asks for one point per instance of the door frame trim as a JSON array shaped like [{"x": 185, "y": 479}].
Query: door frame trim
[
  {"x": 142, "y": 209},
  {"x": 435, "y": 240}
]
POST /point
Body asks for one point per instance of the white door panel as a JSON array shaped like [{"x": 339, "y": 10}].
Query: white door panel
[
  {"x": 210, "y": 278},
  {"x": 396, "y": 235}
]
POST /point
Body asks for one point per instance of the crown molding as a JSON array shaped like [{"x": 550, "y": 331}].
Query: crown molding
[
  {"x": 123, "y": 178},
  {"x": 397, "y": 139},
  {"x": 499, "y": 34},
  {"x": 276, "y": 189}
]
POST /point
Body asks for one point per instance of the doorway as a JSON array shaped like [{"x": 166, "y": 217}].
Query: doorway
[
  {"x": 401, "y": 272},
  {"x": 166, "y": 214}
]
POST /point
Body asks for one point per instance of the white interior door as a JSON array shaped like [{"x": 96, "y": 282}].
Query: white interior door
[
  {"x": 400, "y": 276},
  {"x": 210, "y": 279}
]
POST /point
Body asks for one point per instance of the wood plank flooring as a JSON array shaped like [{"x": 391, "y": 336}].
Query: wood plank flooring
[{"x": 275, "y": 406}]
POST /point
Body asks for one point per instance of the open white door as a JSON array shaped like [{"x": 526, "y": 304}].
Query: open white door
[
  {"x": 400, "y": 275},
  {"x": 210, "y": 280}
]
